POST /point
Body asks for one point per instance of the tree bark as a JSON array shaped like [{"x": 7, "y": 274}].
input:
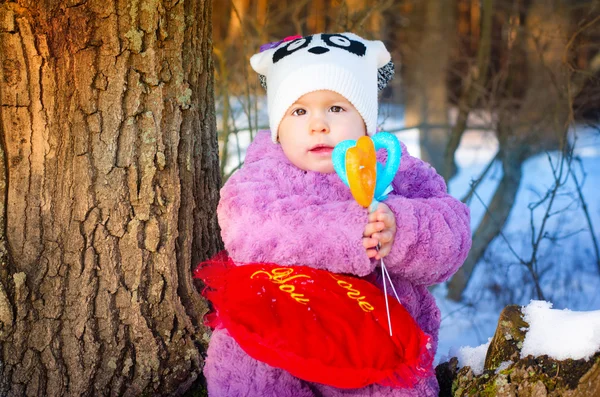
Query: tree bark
[
  {"x": 108, "y": 187},
  {"x": 425, "y": 91}
]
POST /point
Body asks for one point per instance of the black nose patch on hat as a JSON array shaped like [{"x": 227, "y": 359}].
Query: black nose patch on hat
[
  {"x": 331, "y": 40},
  {"x": 318, "y": 50}
]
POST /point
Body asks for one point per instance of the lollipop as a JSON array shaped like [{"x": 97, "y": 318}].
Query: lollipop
[
  {"x": 369, "y": 181},
  {"x": 356, "y": 164}
]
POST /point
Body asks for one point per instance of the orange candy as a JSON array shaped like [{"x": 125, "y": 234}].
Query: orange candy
[{"x": 361, "y": 168}]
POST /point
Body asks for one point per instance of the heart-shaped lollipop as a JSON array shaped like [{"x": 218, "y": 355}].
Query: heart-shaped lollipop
[{"x": 356, "y": 164}]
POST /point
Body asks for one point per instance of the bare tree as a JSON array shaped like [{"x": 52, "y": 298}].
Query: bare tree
[
  {"x": 108, "y": 187},
  {"x": 534, "y": 113},
  {"x": 473, "y": 90},
  {"x": 431, "y": 36}
]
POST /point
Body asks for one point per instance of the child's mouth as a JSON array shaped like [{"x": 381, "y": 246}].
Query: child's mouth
[{"x": 322, "y": 150}]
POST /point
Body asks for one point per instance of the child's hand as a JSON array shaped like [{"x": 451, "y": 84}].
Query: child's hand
[{"x": 380, "y": 229}]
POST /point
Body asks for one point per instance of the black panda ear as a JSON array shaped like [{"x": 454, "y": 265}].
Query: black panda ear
[
  {"x": 384, "y": 75},
  {"x": 263, "y": 81}
]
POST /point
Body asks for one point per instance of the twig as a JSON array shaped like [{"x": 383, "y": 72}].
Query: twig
[
  {"x": 487, "y": 210},
  {"x": 563, "y": 236},
  {"x": 557, "y": 171},
  {"x": 572, "y": 39},
  {"x": 359, "y": 18},
  {"x": 475, "y": 183}
]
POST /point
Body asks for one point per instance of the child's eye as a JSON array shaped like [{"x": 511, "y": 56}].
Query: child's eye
[
  {"x": 336, "y": 109},
  {"x": 299, "y": 112}
]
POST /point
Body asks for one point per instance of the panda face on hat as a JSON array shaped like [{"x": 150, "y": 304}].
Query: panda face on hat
[
  {"x": 343, "y": 62},
  {"x": 330, "y": 40}
]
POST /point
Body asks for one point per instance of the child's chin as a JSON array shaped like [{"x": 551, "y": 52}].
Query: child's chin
[{"x": 324, "y": 169}]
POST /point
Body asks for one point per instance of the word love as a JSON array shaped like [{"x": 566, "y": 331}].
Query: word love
[
  {"x": 355, "y": 294},
  {"x": 281, "y": 276}
]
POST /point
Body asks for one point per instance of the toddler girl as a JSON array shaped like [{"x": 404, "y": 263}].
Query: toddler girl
[{"x": 287, "y": 206}]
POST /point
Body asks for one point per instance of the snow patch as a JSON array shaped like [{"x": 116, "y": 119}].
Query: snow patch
[
  {"x": 473, "y": 357},
  {"x": 561, "y": 334},
  {"x": 503, "y": 365}
]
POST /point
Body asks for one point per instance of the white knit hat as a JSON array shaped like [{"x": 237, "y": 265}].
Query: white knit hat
[{"x": 345, "y": 63}]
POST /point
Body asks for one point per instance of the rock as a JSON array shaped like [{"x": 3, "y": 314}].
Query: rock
[
  {"x": 589, "y": 384},
  {"x": 508, "y": 339},
  {"x": 520, "y": 377},
  {"x": 446, "y": 373}
]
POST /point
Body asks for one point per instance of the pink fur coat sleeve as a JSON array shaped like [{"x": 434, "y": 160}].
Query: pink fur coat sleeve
[{"x": 433, "y": 234}]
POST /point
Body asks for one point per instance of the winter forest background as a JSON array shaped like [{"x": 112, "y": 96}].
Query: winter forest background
[
  {"x": 110, "y": 167},
  {"x": 501, "y": 97}
]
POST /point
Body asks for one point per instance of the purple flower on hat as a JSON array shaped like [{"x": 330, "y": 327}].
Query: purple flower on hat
[{"x": 274, "y": 44}]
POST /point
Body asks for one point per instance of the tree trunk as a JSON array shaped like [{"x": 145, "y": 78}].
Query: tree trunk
[
  {"x": 108, "y": 187},
  {"x": 425, "y": 91},
  {"x": 473, "y": 88},
  {"x": 493, "y": 221}
]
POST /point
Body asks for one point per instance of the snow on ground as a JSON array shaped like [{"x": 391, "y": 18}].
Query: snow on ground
[{"x": 570, "y": 277}]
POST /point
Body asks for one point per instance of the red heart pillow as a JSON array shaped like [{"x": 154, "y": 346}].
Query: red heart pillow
[{"x": 319, "y": 326}]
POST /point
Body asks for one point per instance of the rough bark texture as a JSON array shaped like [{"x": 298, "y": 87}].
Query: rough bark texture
[{"x": 108, "y": 189}]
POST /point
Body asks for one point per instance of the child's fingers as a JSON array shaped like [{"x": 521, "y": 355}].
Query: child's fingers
[
  {"x": 373, "y": 216},
  {"x": 369, "y": 242},
  {"x": 371, "y": 253},
  {"x": 371, "y": 228},
  {"x": 386, "y": 218},
  {"x": 381, "y": 209},
  {"x": 383, "y": 214},
  {"x": 384, "y": 250},
  {"x": 383, "y": 237}
]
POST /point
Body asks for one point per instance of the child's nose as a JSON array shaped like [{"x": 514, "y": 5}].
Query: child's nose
[{"x": 319, "y": 125}]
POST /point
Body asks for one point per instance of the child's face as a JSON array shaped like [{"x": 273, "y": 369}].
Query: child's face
[{"x": 314, "y": 124}]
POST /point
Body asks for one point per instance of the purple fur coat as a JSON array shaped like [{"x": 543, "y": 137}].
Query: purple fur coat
[{"x": 272, "y": 211}]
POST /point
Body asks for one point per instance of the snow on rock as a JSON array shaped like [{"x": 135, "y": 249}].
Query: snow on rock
[
  {"x": 503, "y": 365},
  {"x": 473, "y": 357},
  {"x": 560, "y": 334}
]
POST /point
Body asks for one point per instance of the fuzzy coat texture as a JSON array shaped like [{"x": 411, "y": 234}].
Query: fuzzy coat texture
[{"x": 272, "y": 211}]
